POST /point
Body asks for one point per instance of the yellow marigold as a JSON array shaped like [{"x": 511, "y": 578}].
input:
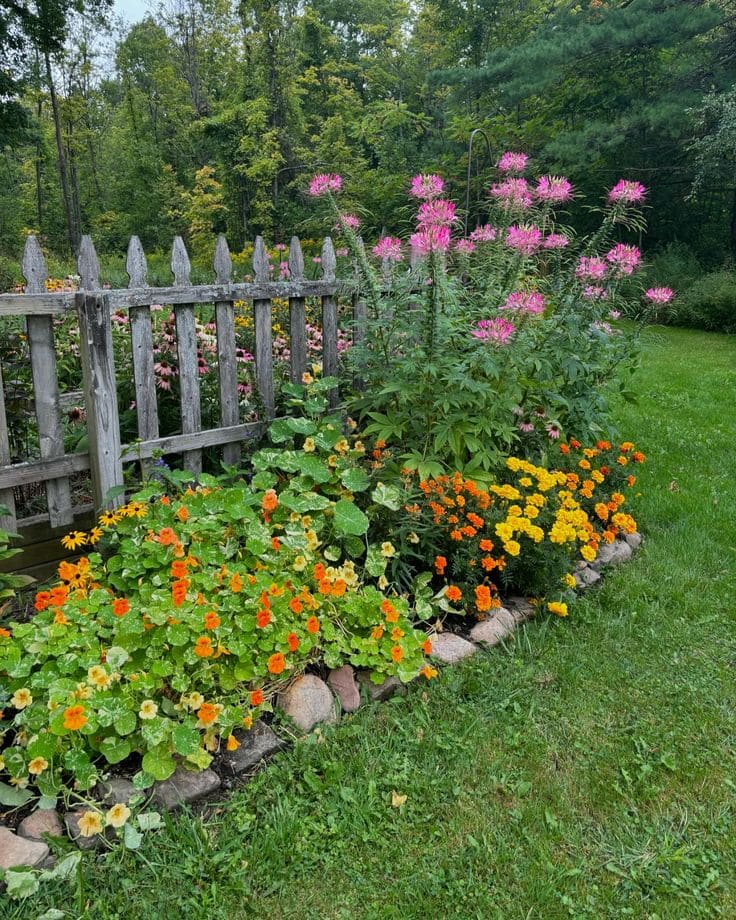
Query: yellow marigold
[
  {"x": 559, "y": 608},
  {"x": 512, "y": 547},
  {"x": 569, "y": 580},
  {"x": 588, "y": 553}
]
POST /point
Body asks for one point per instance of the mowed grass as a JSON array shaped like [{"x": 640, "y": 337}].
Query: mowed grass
[{"x": 584, "y": 771}]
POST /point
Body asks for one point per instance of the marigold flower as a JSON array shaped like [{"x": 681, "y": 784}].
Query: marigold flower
[
  {"x": 440, "y": 564},
  {"x": 558, "y": 608},
  {"x": 313, "y": 625},
  {"x": 454, "y": 594},
  {"x": 276, "y": 663},
  {"x": 90, "y": 824},
  {"x": 75, "y": 718},
  {"x": 203, "y": 647},
  {"x": 429, "y": 672},
  {"x": 397, "y": 653},
  {"x": 117, "y": 815},
  {"x": 483, "y": 598}
]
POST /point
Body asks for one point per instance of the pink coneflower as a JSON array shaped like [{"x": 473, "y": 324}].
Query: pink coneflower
[
  {"x": 388, "y": 247},
  {"x": 323, "y": 183},
  {"x": 483, "y": 234},
  {"x": 495, "y": 330},
  {"x": 284, "y": 270},
  {"x": 659, "y": 294},
  {"x": 348, "y": 221},
  {"x": 594, "y": 292},
  {"x": 525, "y": 240},
  {"x": 554, "y": 189},
  {"x": 525, "y": 302},
  {"x": 591, "y": 268},
  {"x": 280, "y": 247},
  {"x": 317, "y": 260},
  {"x": 465, "y": 246},
  {"x": 437, "y": 213},
  {"x": 513, "y": 193},
  {"x": 627, "y": 192},
  {"x": 556, "y": 241},
  {"x": 624, "y": 258},
  {"x": 427, "y": 187},
  {"x": 552, "y": 431},
  {"x": 526, "y": 427},
  {"x": 430, "y": 239},
  {"x": 511, "y": 162}
]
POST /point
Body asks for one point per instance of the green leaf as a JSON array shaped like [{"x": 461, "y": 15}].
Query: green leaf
[
  {"x": 13, "y": 795},
  {"x": 159, "y": 763},
  {"x": 131, "y": 837},
  {"x": 20, "y": 884},
  {"x": 115, "y": 749},
  {"x": 125, "y": 723},
  {"x": 349, "y": 519},
  {"x": 149, "y": 820},
  {"x": 186, "y": 740},
  {"x": 388, "y": 496},
  {"x": 355, "y": 479},
  {"x": 116, "y": 657}
]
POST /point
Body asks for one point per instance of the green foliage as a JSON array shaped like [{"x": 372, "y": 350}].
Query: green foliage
[{"x": 709, "y": 303}]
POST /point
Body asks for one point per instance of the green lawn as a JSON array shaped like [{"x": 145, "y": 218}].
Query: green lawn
[{"x": 586, "y": 771}]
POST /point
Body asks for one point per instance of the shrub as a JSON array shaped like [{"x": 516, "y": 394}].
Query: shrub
[{"x": 709, "y": 303}]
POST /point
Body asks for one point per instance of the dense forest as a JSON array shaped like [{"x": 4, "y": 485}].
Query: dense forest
[{"x": 209, "y": 115}]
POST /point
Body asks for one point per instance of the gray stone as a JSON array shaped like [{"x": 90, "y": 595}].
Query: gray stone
[
  {"x": 449, "y": 648},
  {"x": 308, "y": 702},
  {"x": 257, "y": 744},
  {"x": 520, "y": 607},
  {"x": 20, "y": 851},
  {"x": 612, "y": 554},
  {"x": 115, "y": 791},
  {"x": 491, "y": 631},
  {"x": 586, "y": 577},
  {"x": 343, "y": 685},
  {"x": 184, "y": 786},
  {"x": 40, "y": 822},
  {"x": 383, "y": 691},
  {"x": 71, "y": 821},
  {"x": 634, "y": 540}
]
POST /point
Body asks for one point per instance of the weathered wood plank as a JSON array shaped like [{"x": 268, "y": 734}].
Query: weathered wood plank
[
  {"x": 297, "y": 315},
  {"x": 100, "y": 393},
  {"x": 180, "y": 443},
  {"x": 23, "y": 474},
  {"x": 263, "y": 329},
  {"x": 186, "y": 344},
  {"x": 47, "y": 304},
  {"x": 41, "y": 545},
  {"x": 7, "y": 521},
  {"x": 141, "y": 341},
  {"x": 329, "y": 320},
  {"x": 227, "y": 363},
  {"x": 40, "y": 331}
]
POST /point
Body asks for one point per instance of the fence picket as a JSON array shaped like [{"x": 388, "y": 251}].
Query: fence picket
[
  {"x": 7, "y": 497},
  {"x": 186, "y": 346},
  {"x": 141, "y": 344},
  {"x": 40, "y": 331},
  {"x": 262, "y": 318},
  {"x": 329, "y": 319},
  {"x": 297, "y": 315},
  {"x": 100, "y": 387},
  {"x": 227, "y": 363}
]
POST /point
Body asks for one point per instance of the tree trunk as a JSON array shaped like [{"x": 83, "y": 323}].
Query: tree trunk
[{"x": 73, "y": 230}]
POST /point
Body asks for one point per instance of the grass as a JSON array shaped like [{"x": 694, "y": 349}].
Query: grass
[{"x": 585, "y": 771}]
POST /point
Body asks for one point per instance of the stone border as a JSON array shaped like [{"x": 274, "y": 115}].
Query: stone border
[{"x": 308, "y": 702}]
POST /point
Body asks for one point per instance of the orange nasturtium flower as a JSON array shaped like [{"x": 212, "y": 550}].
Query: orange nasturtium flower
[
  {"x": 211, "y": 620},
  {"x": 263, "y": 618},
  {"x": 179, "y": 591},
  {"x": 120, "y": 606},
  {"x": 256, "y": 697},
  {"x": 203, "y": 647},
  {"x": 427, "y": 646},
  {"x": 236, "y": 583},
  {"x": 75, "y": 718},
  {"x": 293, "y": 641},
  {"x": 313, "y": 625},
  {"x": 182, "y": 514},
  {"x": 207, "y": 713},
  {"x": 295, "y": 605},
  {"x": 276, "y": 663},
  {"x": 5, "y": 633},
  {"x": 454, "y": 593},
  {"x": 270, "y": 501},
  {"x": 166, "y": 536},
  {"x": 179, "y": 568},
  {"x": 377, "y": 632},
  {"x": 232, "y": 743},
  {"x": 429, "y": 672},
  {"x": 389, "y": 611},
  {"x": 397, "y": 653}
]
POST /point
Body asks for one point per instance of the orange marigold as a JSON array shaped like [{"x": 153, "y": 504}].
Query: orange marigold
[
  {"x": 483, "y": 598},
  {"x": 454, "y": 593},
  {"x": 440, "y": 564}
]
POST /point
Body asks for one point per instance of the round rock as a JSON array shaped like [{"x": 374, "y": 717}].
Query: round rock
[
  {"x": 449, "y": 648},
  {"x": 20, "y": 851},
  {"x": 308, "y": 702},
  {"x": 491, "y": 631},
  {"x": 612, "y": 554},
  {"x": 383, "y": 691},
  {"x": 40, "y": 822},
  {"x": 343, "y": 685},
  {"x": 115, "y": 791}
]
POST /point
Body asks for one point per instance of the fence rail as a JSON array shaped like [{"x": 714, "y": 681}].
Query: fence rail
[{"x": 94, "y": 307}]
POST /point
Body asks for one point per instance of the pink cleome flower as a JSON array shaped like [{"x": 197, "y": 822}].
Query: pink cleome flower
[
  {"x": 659, "y": 295},
  {"x": 427, "y": 187},
  {"x": 497, "y": 330},
  {"x": 525, "y": 302},
  {"x": 525, "y": 240},
  {"x": 556, "y": 241},
  {"x": 437, "y": 213},
  {"x": 627, "y": 192},
  {"x": 430, "y": 239},
  {"x": 465, "y": 246},
  {"x": 554, "y": 189},
  {"x": 483, "y": 234},
  {"x": 512, "y": 193},
  {"x": 323, "y": 183},
  {"x": 388, "y": 247},
  {"x": 348, "y": 222},
  {"x": 591, "y": 268},
  {"x": 624, "y": 258},
  {"x": 594, "y": 292},
  {"x": 284, "y": 271},
  {"x": 513, "y": 162}
]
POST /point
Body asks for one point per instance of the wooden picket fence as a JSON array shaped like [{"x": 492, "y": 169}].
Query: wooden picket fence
[{"x": 94, "y": 307}]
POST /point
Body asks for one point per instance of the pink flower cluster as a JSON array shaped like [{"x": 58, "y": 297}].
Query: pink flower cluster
[
  {"x": 591, "y": 268},
  {"x": 497, "y": 330},
  {"x": 347, "y": 221},
  {"x": 388, "y": 247},
  {"x": 624, "y": 258},
  {"x": 525, "y": 302},
  {"x": 626, "y": 191},
  {"x": 513, "y": 162},
  {"x": 525, "y": 240},
  {"x": 512, "y": 193},
  {"x": 465, "y": 246},
  {"x": 556, "y": 241},
  {"x": 553, "y": 189},
  {"x": 595, "y": 292},
  {"x": 437, "y": 213},
  {"x": 430, "y": 239},
  {"x": 659, "y": 294},
  {"x": 427, "y": 187},
  {"x": 483, "y": 234},
  {"x": 323, "y": 183}
]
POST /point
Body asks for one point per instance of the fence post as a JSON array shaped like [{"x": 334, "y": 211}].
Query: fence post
[
  {"x": 141, "y": 350},
  {"x": 186, "y": 349},
  {"x": 297, "y": 314},
  {"x": 227, "y": 361},
  {"x": 329, "y": 320},
  {"x": 100, "y": 389},
  {"x": 262, "y": 317}
]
